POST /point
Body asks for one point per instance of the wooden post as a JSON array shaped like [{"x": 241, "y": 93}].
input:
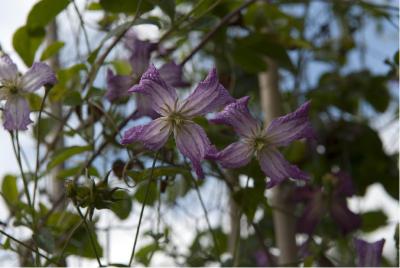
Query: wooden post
[
  {"x": 284, "y": 223},
  {"x": 56, "y": 187}
]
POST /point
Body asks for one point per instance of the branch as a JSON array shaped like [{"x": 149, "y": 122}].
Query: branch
[{"x": 210, "y": 34}]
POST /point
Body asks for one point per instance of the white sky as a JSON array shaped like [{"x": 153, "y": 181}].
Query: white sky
[{"x": 14, "y": 14}]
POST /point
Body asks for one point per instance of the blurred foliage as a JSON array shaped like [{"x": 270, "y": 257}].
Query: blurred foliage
[{"x": 309, "y": 40}]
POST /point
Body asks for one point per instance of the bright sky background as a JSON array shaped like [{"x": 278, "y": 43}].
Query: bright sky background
[{"x": 14, "y": 14}]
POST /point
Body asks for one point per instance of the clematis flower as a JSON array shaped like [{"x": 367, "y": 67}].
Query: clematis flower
[
  {"x": 118, "y": 85},
  {"x": 172, "y": 74},
  {"x": 328, "y": 199},
  {"x": 140, "y": 52},
  {"x": 175, "y": 116},
  {"x": 263, "y": 143},
  {"x": 369, "y": 254},
  {"x": 14, "y": 88}
]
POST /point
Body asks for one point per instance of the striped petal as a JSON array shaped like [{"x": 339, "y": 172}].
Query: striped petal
[
  {"x": 16, "y": 114},
  {"x": 8, "y": 69},
  {"x": 153, "y": 135},
  {"x": 173, "y": 75},
  {"x": 162, "y": 95},
  {"x": 369, "y": 254},
  {"x": 117, "y": 85},
  {"x": 285, "y": 129},
  {"x": 193, "y": 143},
  {"x": 238, "y": 116},
  {"x": 275, "y": 166},
  {"x": 38, "y": 75},
  {"x": 209, "y": 96},
  {"x": 236, "y": 155}
]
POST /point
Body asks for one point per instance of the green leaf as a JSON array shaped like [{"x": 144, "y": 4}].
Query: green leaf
[
  {"x": 94, "y": 6},
  {"x": 35, "y": 101},
  {"x": 122, "y": 67},
  {"x": 72, "y": 98},
  {"x": 69, "y": 172},
  {"x": 9, "y": 190},
  {"x": 140, "y": 194},
  {"x": 144, "y": 254},
  {"x": 396, "y": 57},
  {"x": 63, "y": 154},
  {"x": 44, "y": 11},
  {"x": 373, "y": 220},
  {"x": 251, "y": 198},
  {"x": 46, "y": 126},
  {"x": 125, "y": 6},
  {"x": 309, "y": 261},
  {"x": 26, "y": 43},
  {"x": 51, "y": 50},
  {"x": 81, "y": 245},
  {"x": 45, "y": 239},
  {"x": 122, "y": 208}
]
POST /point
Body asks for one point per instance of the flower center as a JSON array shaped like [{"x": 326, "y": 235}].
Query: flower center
[
  {"x": 10, "y": 87},
  {"x": 13, "y": 90},
  {"x": 260, "y": 143},
  {"x": 176, "y": 119}
]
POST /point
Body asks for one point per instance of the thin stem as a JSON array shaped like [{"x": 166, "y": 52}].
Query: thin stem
[
  {"x": 85, "y": 34},
  {"x": 185, "y": 17},
  {"x": 90, "y": 236},
  {"x": 38, "y": 146},
  {"x": 236, "y": 249},
  {"x": 210, "y": 34},
  {"x": 29, "y": 247},
  {"x": 70, "y": 236},
  {"x": 17, "y": 152},
  {"x": 207, "y": 218},
  {"x": 142, "y": 210}
]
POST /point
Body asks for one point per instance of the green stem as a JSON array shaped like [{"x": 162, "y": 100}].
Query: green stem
[
  {"x": 85, "y": 34},
  {"x": 90, "y": 236},
  {"x": 29, "y": 247},
  {"x": 185, "y": 17},
  {"x": 207, "y": 219},
  {"x": 38, "y": 146},
  {"x": 143, "y": 206},
  {"x": 17, "y": 152},
  {"x": 211, "y": 33},
  {"x": 70, "y": 236}
]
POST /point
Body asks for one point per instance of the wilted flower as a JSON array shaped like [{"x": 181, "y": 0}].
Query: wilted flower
[
  {"x": 14, "y": 88},
  {"x": 263, "y": 143},
  {"x": 369, "y": 254},
  {"x": 330, "y": 198},
  {"x": 176, "y": 115}
]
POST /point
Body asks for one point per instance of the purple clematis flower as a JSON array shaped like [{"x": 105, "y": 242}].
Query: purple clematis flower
[
  {"x": 175, "y": 116},
  {"x": 330, "y": 199},
  {"x": 263, "y": 142},
  {"x": 118, "y": 85},
  {"x": 141, "y": 52},
  {"x": 14, "y": 87},
  {"x": 369, "y": 254}
]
